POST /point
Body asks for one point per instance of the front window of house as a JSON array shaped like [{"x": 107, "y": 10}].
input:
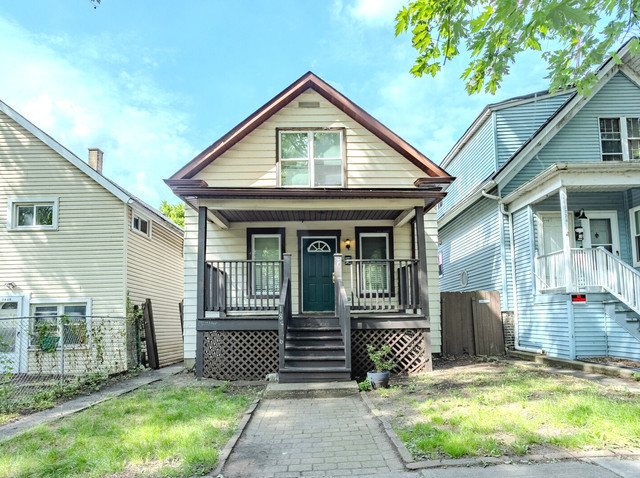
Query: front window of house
[
  {"x": 33, "y": 214},
  {"x": 375, "y": 250},
  {"x": 311, "y": 158},
  {"x": 634, "y": 214},
  {"x": 620, "y": 139},
  {"x": 54, "y": 325},
  {"x": 266, "y": 248}
]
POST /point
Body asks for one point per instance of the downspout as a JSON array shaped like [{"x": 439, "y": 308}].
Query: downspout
[{"x": 514, "y": 290}]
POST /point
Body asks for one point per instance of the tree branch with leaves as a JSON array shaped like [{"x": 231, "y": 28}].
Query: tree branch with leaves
[{"x": 573, "y": 37}]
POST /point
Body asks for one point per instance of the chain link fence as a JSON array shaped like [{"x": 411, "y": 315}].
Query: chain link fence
[{"x": 46, "y": 358}]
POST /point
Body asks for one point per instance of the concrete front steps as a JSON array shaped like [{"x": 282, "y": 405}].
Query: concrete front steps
[{"x": 311, "y": 390}]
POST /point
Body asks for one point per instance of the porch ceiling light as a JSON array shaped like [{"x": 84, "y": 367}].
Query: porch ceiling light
[{"x": 580, "y": 214}]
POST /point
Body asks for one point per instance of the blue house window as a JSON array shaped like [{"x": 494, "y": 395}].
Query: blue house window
[{"x": 620, "y": 139}]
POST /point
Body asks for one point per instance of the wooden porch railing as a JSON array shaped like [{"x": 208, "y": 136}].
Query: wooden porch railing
[
  {"x": 591, "y": 268},
  {"x": 242, "y": 285},
  {"x": 343, "y": 310},
  {"x": 284, "y": 308},
  {"x": 384, "y": 284}
]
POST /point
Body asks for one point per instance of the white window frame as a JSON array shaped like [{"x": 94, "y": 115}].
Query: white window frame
[
  {"x": 12, "y": 215},
  {"x": 140, "y": 217},
  {"x": 624, "y": 136},
  {"x": 60, "y": 304},
  {"x": 632, "y": 223},
  {"x": 310, "y": 156},
  {"x": 390, "y": 277}
]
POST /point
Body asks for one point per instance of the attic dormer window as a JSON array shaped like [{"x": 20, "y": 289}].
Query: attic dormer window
[
  {"x": 620, "y": 139},
  {"x": 311, "y": 158}
]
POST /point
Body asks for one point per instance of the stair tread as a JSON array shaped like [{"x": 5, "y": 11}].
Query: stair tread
[
  {"x": 313, "y": 328},
  {"x": 290, "y": 346},
  {"x": 314, "y": 369},
  {"x": 314, "y": 337},
  {"x": 314, "y": 357}
]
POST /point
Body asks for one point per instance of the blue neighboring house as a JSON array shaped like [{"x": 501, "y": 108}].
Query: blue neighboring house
[{"x": 546, "y": 210}]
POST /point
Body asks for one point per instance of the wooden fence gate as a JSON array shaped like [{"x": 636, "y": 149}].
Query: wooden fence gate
[{"x": 472, "y": 323}]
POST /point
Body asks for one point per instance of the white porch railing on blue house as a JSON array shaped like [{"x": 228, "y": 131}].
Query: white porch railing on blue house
[{"x": 592, "y": 268}]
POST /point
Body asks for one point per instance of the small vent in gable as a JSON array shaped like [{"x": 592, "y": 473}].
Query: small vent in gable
[{"x": 308, "y": 104}]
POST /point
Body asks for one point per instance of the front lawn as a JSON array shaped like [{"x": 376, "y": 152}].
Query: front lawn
[
  {"x": 493, "y": 409},
  {"x": 165, "y": 431}
]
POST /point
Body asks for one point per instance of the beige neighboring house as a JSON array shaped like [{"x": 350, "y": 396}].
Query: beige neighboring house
[
  {"x": 311, "y": 233},
  {"x": 73, "y": 242}
]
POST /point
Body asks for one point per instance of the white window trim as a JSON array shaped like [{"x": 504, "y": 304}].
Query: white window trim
[
  {"x": 624, "y": 136},
  {"x": 632, "y": 223},
  {"x": 12, "y": 219},
  {"x": 62, "y": 302},
  {"x": 134, "y": 215},
  {"x": 310, "y": 159}
]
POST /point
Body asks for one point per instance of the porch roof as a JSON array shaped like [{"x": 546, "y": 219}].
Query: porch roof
[
  {"x": 575, "y": 176},
  {"x": 228, "y": 205}
]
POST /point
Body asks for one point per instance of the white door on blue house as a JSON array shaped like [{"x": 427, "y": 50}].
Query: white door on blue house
[
  {"x": 601, "y": 230},
  {"x": 13, "y": 335},
  {"x": 550, "y": 232}
]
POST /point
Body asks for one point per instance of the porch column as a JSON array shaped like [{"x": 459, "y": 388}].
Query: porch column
[
  {"x": 423, "y": 283},
  {"x": 200, "y": 297},
  {"x": 566, "y": 239}
]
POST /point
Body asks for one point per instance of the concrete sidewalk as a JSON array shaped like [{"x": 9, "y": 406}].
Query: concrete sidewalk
[{"x": 75, "y": 405}]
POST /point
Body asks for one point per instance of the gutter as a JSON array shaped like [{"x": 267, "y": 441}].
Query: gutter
[{"x": 512, "y": 254}]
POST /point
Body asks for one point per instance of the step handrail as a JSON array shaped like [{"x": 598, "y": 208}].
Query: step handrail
[
  {"x": 284, "y": 309},
  {"x": 613, "y": 274},
  {"x": 343, "y": 311}
]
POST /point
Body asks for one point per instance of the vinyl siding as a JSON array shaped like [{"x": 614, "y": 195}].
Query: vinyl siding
[
  {"x": 590, "y": 329},
  {"x": 471, "y": 243},
  {"x": 84, "y": 258},
  {"x": 621, "y": 344},
  {"x": 515, "y": 125},
  {"x": 473, "y": 164},
  {"x": 154, "y": 271},
  {"x": 579, "y": 139},
  {"x": 541, "y": 325},
  {"x": 370, "y": 162},
  {"x": 230, "y": 244}
]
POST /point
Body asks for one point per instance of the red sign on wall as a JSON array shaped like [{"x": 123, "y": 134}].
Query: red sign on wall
[{"x": 578, "y": 298}]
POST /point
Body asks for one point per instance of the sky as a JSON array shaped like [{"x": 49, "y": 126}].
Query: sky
[{"x": 153, "y": 83}]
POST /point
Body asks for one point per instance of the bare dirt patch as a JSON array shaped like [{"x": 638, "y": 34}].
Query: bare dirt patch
[{"x": 614, "y": 361}]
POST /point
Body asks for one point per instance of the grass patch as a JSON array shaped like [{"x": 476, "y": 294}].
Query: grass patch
[
  {"x": 508, "y": 410},
  {"x": 168, "y": 431},
  {"x": 18, "y": 399}
]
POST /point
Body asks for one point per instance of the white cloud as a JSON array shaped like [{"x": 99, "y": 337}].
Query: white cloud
[
  {"x": 93, "y": 92},
  {"x": 376, "y": 12}
]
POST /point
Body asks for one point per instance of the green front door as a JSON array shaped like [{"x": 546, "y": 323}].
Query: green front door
[{"x": 317, "y": 273}]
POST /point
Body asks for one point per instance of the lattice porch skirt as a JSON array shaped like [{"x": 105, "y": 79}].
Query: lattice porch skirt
[{"x": 252, "y": 354}]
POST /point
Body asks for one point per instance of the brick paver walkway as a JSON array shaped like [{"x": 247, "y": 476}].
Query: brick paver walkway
[{"x": 312, "y": 437}]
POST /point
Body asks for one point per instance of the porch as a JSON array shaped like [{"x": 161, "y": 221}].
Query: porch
[{"x": 364, "y": 279}]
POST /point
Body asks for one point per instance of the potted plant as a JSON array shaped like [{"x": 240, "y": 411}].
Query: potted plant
[{"x": 383, "y": 365}]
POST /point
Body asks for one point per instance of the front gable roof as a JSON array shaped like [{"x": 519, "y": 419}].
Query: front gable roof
[
  {"x": 550, "y": 128},
  {"x": 305, "y": 82}
]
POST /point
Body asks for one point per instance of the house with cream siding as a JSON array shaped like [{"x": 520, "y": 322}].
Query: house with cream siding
[
  {"x": 546, "y": 210},
  {"x": 310, "y": 232},
  {"x": 74, "y": 244}
]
